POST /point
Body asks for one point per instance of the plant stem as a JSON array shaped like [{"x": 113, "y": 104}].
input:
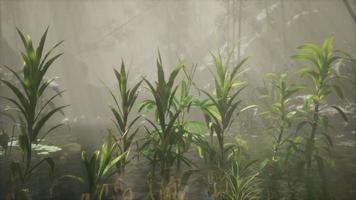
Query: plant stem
[
  {"x": 276, "y": 148},
  {"x": 221, "y": 145},
  {"x": 281, "y": 131},
  {"x": 309, "y": 153}
]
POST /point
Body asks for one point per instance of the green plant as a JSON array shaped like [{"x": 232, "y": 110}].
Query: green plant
[
  {"x": 207, "y": 151},
  {"x": 321, "y": 71},
  {"x": 33, "y": 115},
  {"x": 99, "y": 165},
  {"x": 97, "y": 169},
  {"x": 186, "y": 129},
  {"x": 159, "y": 144},
  {"x": 189, "y": 130},
  {"x": 281, "y": 115},
  {"x": 240, "y": 184},
  {"x": 122, "y": 112},
  {"x": 220, "y": 112},
  {"x": 279, "y": 118},
  {"x": 216, "y": 176}
]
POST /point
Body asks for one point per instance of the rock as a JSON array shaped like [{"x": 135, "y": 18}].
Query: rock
[{"x": 72, "y": 148}]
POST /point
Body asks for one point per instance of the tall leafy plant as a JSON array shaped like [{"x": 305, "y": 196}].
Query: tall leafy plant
[
  {"x": 189, "y": 130},
  {"x": 325, "y": 78},
  {"x": 159, "y": 143},
  {"x": 220, "y": 110},
  {"x": 33, "y": 115},
  {"x": 281, "y": 115},
  {"x": 224, "y": 105},
  {"x": 121, "y": 112},
  {"x": 279, "y": 118}
]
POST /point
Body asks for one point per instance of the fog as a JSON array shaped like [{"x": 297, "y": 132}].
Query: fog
[
  {"x": 300, "y": 127},
  {"x": 98, "y": 34}
]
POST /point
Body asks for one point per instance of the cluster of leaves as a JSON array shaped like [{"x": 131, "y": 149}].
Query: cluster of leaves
[
  {"x": 188, "y": 130},
  {"x": 122, "y": 113},
  {"x": 33, "y": 116},
  {"x": 220, "y": 110},
  {"x": 171, "y": 133},
  {"x": 310, "y": 145},
  {"x": 97, "y": 168},
  {"x": 223, "y": 106},
  {"x": 240, "y": 183},
  {"x": 282, "y": 113},
  {"x": 99, "y": 165},
  {"x": 321, "y": 70},
  {"x": 159, "y": 143},
  {"x": 279, "y": 118}
]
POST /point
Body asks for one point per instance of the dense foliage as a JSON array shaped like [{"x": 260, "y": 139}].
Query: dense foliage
[
  {"x": 292, "y": 113},
  {"x": 34, "y": 110}
]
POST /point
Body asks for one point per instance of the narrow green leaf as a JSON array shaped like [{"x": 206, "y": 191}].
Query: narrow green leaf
[
  {"x": 41, "y": 44},
  {"x": 43, "y": 120},
  {"x": 341, "y": 112},
  {"x": 338, "y": 91}
]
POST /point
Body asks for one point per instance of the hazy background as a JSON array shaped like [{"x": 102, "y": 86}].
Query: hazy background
[{"x": 98, "y": 34}]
